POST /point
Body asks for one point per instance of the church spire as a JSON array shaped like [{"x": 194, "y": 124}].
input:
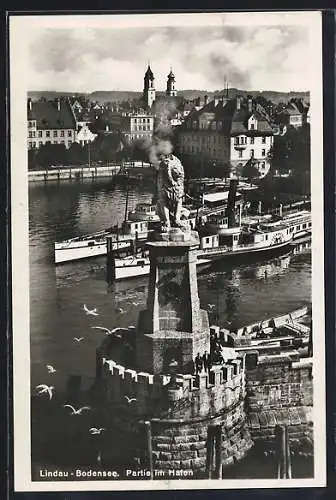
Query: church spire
[{"x": 171, "y": 91}]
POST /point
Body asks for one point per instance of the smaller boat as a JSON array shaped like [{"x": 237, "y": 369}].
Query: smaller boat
[
  {"x": 94, "y": 245},
  {"x": 134, "y": 266},
  {"x": 144, "y": 212}
]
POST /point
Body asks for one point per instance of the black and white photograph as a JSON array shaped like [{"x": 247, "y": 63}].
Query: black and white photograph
[{"x": 167, "y": 250}]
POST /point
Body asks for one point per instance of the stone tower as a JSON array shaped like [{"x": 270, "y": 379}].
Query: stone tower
[
  {"x": 149, "y": 89},
  {"x": 171, "y": 91},
  {"x": 173, "y": 326}
]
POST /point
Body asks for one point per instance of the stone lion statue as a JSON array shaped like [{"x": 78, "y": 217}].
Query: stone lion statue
[{"x": 170, "y": 190}]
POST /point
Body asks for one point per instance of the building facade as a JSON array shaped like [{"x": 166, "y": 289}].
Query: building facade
[
  {"x": 50, "y": 122},
  {"x": 228, "y": 132},
  {"x": 137, "y": 127}
]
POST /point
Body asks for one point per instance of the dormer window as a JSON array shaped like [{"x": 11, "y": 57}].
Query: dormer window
[{"x": 252, "y": 123}]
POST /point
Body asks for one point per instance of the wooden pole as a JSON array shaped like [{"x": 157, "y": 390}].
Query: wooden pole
[
  {"x": 283, "y": 452},
  {"x": 218, "y": 448},
  {"x": 127, "y": 194},
  {"x": 210, "y": 451},
  {"x": 148, "y": 431}
]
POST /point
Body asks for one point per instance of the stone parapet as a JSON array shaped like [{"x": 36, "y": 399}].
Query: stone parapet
[{"x": 193, "y": 396}]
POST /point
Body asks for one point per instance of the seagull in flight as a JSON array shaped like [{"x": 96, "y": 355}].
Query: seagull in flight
[
  {"x": 46, "y": 388},
  {"x": 109, "y": 332},
  {"x": 211, "y": 306},
  {"x": 95, "y": 430},
  {"x": 51, "y": 369},
  {"x": 129, "y": 400},
  {"x": 92, "y": 312},
  {"x": 77, "y": 412},
  {"x": 78, "y": 339},
  {"x": 135, "y": 304}
]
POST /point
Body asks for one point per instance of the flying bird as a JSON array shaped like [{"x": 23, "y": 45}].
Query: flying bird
[
  {"x": 130, "y": 327},
  {"x": 77, "y": 412},
  {"x": 129, "y": 400},
  {"x": 51, "y": 369},
  {"x": 211, "y": 306},
  {"x": 46, "y": 388},
  {"x": 92, "y": 312},
  {"x": 120, "y": 310},
  {"x": 95, "y": 430},
  {"x": 109, "y": 332},
  {"x": 78, "y": 339},
  {"x": 135, "y": 304}
]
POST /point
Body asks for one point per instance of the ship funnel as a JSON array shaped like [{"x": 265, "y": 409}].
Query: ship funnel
[{"x": 232, "y": 202}]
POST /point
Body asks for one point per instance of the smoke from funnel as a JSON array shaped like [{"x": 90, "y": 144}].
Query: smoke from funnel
[{"x": 160, "y": 144}]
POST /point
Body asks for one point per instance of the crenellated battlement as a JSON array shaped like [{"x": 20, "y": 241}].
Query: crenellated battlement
[{"x": 181, "y": 395}]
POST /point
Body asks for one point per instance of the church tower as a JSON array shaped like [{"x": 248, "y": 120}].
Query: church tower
[
  {"x": 171, "y": 91},
  {"x": 149, "y": 89}
]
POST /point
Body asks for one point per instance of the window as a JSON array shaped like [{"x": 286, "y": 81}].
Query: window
[
  {"x": 40, "y": 143},
  {"x": 252, "y": 126},
  {"x": 55, "y": 142},
  {"x": 263, "y": 140},
  {"x": 236, "y": 141},
  {"x": 34, "y": 134},
  {"x": 62, "y": 133},
  {"x": 30, "y": 144},
  {"x": 240, "y": 153},
  {"x": 304, "y": 226},
  {"x": 252, "y": 140},
  {"x": 40, "y": 133},
  {"x": 48, "y": 133},
  {"x": 252, "y": 153},
  {"x": 263, "y": 152},
  {"x": 55, "y": 133},
  {"x": 69, "y": 133},
  {"x": 62, "y": 142},
  {"x": 207, "y": 240},
  {"x": 29, "y": 134},
  {"x": 69, "y": 143},
  {"x": 34, "y": 144}
]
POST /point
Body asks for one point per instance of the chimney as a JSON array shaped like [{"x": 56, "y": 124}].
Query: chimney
[
  {"x": 238, "y": 102},
  {"x": 198, "y": 101},
  {"x": 250, "y": 105},
  {"x": 30, "y": 105},
  {"x": 206, "y": 100},
  {"x": 58, "y": 104},
  {"x": 216, "y": 100},
  {"x": 107, "y": 128}
]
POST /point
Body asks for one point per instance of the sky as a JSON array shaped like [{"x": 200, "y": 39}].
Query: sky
[{"x": 75, "y": 57}]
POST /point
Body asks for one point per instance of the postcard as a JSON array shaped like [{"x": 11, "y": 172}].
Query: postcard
[{"x": 167, "y": 250}]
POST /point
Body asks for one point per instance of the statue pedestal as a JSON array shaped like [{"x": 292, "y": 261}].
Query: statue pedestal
[{"x": 173, "y": 326}]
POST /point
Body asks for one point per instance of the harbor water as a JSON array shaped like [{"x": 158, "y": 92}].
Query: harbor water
[{"x": 235, "y": 294}]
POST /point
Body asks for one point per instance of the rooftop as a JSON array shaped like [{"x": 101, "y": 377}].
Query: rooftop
[{"x": 55, "y": 114}]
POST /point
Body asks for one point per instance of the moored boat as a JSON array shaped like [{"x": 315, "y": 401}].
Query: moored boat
[
  {"x": 134, "y": 266},
  {"x": 94, "y": 245}
]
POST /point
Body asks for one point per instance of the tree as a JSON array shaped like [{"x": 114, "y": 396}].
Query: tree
[{"x": 249, "y": 170}]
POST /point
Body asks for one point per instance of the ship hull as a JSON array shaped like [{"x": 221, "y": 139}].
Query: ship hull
[{"x": 80, "y": 252}]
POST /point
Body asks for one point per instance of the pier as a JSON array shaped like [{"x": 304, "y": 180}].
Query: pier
[{"x": 131, "y": 170}]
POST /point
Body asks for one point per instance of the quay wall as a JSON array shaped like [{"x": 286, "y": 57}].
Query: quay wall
[
  {"x": 136, "y": 170},
  {"x": 279, "y": 391}
]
